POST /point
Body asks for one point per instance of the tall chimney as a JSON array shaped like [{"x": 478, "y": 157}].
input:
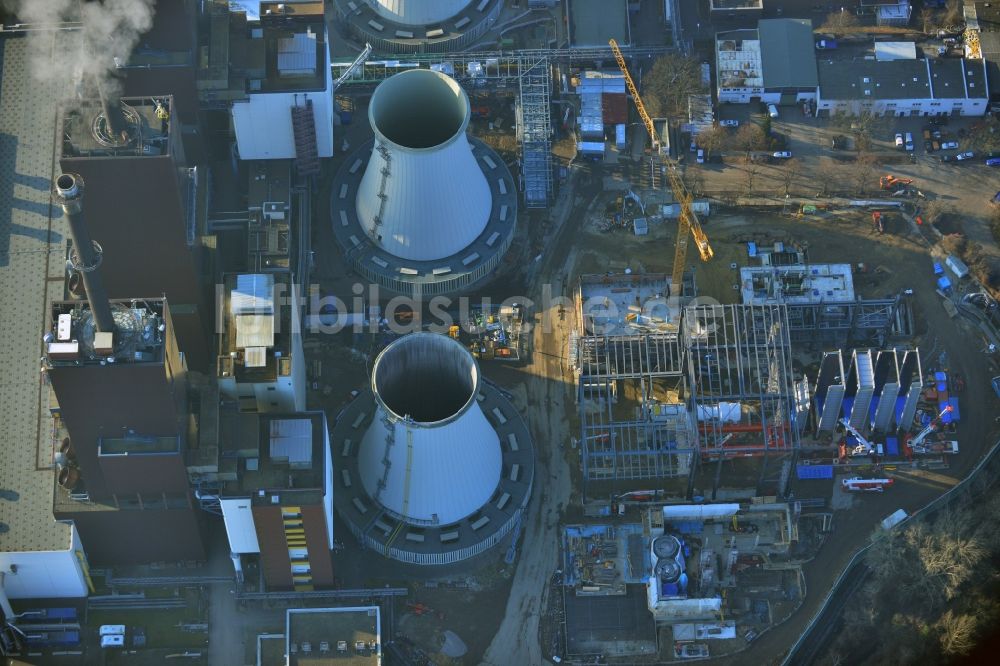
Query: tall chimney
[
  {"x": 69, "y": 194},
  {"x": 113, "y": 115}
]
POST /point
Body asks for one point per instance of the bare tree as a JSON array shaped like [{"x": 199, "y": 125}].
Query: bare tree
[
  {"x": 936, "y": 211},
  {"x": 958, "y": 633},
  {"x": 669, "y": 83},
  {"x": 748, "y": 138},
  {"x": 842, "y": 21},
  {"x": 789, "y": 171},
  {"x": 864, "y": 171},
  {"x": 694, "y": 180},
  {"x": 712, "y": 139},
  {"x": 953, "y": 14},
  {"x": 928, "y": 20},
  {"x": 750, "y": 172}
]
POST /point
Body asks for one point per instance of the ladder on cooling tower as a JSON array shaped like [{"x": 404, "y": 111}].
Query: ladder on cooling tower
[
  {"x": 385, "y": 172},
  {"x": 406, "y": 492},
  {"x": 390, "y": 439},
  {"x": 304, "y": 131}
]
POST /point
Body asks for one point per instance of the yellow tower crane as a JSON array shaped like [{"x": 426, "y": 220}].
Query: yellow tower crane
[{"x": 688, "y": 222}]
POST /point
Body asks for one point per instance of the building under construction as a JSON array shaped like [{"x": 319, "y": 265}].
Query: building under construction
[{"x": 663, "y": 388}]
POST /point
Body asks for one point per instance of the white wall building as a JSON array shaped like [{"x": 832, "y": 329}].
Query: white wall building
[
  {"x": 44, "y": 574},
  {"x": 904, "y": 87},
  {"x": 296, "y": 73},
  {"x": 775, "y": 64}
]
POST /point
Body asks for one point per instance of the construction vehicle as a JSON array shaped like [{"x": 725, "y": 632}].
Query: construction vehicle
[
  {"x": 858, "y": 484},
  {"x": 863, "y": 447},
  {"x": 919, "y": 445},
  {"x": 687, "y": 222},
  {"x": 890, "y": 182}
]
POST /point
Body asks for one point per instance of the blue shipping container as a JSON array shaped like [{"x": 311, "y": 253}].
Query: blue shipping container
[{"x": 814, "y": 471}]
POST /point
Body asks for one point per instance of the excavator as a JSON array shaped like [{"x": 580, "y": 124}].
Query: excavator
[
  {"x": 688, "y": 223},
  {"x": 890, "y": 182}
]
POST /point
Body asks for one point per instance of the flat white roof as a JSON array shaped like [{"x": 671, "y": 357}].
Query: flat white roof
[
  {"x": 799, "y": 283},
  {"x": 895, "y": 51}
]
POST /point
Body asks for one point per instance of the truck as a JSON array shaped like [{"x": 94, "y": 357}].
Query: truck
[{"x": 893, "y": 519}]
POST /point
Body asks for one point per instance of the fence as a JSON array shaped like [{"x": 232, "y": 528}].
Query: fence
[{"x": 979, "y": 480}]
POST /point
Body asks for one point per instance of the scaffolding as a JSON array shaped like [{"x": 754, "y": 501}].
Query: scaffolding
[{"x": 534, "y": 131}]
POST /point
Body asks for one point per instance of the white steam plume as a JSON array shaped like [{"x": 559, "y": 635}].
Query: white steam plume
[{"x": 110, "y": 29}]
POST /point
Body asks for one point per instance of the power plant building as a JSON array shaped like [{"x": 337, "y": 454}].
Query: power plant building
[
  {"x": 141, "y": 207},
  {"x": 435, "y": 465},
  {"x": 275, "y": 492},
  {"x": 275, "y": 71},
  {"x": 423, "y": 209},
  {"x": 261, "y": 364}
]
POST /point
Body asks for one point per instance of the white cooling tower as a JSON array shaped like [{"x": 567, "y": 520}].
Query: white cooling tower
[
  {"x": 429, "y": 455},
  {"x": 419, "y": 12},
  {"x": 423, "y": 195}
]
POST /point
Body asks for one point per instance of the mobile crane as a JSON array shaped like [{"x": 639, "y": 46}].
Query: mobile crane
[
  {"x": 687, "y": 222},
  {"x": 864, "y": 447},
  {"x": 917, "y": 446}
]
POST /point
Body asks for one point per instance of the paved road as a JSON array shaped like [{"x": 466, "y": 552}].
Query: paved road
[{"x": 549, "y": 391}]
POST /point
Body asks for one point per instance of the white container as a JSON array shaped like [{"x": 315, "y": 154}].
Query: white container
[{"x": 112, "y": 630}]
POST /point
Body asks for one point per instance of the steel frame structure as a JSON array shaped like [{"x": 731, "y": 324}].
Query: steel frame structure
[
  {"x": 741, "y": 385},
  {"x": 843, "y": 324}
]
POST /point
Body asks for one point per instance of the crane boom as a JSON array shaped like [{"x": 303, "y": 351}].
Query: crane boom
[
  {"x": 688, "y": 222},
  {"x": 931, "y": 427}
]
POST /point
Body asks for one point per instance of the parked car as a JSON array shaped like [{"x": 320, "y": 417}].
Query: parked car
[
  {"x": 947, "y": 158},
  {"x": 781, "y": 154},
  {"x": 949, "y": 145},
  {"x": 701, "y": 156},
  {"x": 909, "y": 141},
  {"x": 899, "y": 139},
  {"x": 840, "y": 142},
  {"x": 729, "y": 123},
  {"x": 772, "y": 110},
  {"x": 993, "y": 161},
  {"x": 967, "y": 155},
  {"x": 826, "y": 44}
]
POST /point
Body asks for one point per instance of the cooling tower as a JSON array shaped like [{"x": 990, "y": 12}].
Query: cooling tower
[
  {"x": 419, "y": 12},
  {"x": 417, "y": 26},
  {"x": 423, "y": 196},
  {"x": 423, "y": 208},
  {"x": 430, "y": 454},
  {"x": 435, "y": 464}
]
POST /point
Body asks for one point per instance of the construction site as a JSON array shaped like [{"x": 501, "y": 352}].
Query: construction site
[{"x": 508, "y": 365}]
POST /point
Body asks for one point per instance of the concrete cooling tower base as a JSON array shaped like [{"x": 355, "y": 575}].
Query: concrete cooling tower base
[
  {"x": 459, "y": 272},
  {"x": 410, "y": 26},
  {"x": 426, "y": 543}
]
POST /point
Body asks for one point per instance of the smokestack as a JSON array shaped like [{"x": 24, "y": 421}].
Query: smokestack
[
  {"x": 429, "y": 455},
  {"x": 423, "y": 195},
  {"x": 113, "y": 115},
  {"x": 69, "y": 194}
]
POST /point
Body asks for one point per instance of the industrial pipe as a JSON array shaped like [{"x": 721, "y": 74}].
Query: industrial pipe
[{"x": 69, "y": 194}]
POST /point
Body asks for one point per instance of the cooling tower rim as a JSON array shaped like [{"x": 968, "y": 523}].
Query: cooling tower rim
[
  {"x": 452, "y": 83},
  {"x": 419, "y": 337}
]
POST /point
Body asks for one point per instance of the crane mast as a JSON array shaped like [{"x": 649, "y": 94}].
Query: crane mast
[{"x": 688, "y": 222}]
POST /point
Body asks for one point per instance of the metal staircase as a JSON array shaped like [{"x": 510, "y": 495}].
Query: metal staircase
[{"x": 304, "y": 129}]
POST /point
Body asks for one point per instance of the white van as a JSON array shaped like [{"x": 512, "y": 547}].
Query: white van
[
  {"x": 116, "y": 641},
  {"x": 112, "y": 629},
  {"x": 772, "y": 110}
]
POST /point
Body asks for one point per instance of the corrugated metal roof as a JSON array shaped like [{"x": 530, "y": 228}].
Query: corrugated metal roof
[
  {"x": 254, "y": 331},
  {"x": 297, "y": 54},
  {"x": 292, "y": 439},
  {"x": 788, "y": 53},
  {"x": 895, "y": 51},
  {"x": 254, "y": 294}
]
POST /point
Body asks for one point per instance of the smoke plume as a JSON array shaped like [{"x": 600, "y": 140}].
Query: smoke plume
[{"x": 86, "y": 58}]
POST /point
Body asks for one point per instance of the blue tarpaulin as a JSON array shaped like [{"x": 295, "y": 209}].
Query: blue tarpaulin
[
  {"x": 847, "y": 406},
  {"x": 814, "y": 471},
  {"x": 938, "y": 270},
  {"x": 892, "y": 446},
  {"x": 900, "y": 406},
  {"x": 944, "y": 284}
]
